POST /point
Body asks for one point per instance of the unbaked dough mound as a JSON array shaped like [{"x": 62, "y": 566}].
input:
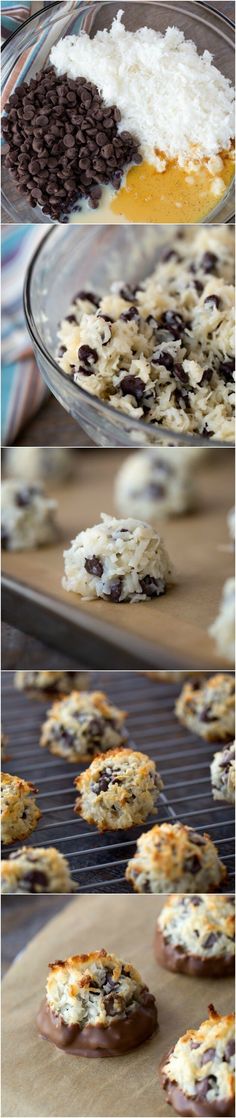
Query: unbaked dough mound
[
  {"x": 27, "y": 516},
  {"x": 119, "y": 560}
]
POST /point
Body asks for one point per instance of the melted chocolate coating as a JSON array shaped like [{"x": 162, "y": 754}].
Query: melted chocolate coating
[
  {"x": 176, "y": 959},
  {"x": 193, "y": 1107},
  {"x": 123, "y": 1034}
]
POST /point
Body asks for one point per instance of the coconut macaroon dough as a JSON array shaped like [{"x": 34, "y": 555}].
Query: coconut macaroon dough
[
  {"x": 162, "y": 350},
  {"x": 195, "y": 935},
  {"x": 37, "y": 463},
  {"x": 174, "y": 857},
  {"x": 19, "y": 811},
  {"x": 223, "y": 774},
  {"x": 81, "y": 726},
  {"x": 27, "y": 516},
  {"x": 36, "y": 870},
  {"x": 118, "y": 791},
  {"x": 119, "y": 560},
  {"x": 198, "y": 1073},
  {"x": 96, "y": 1005},
  {"x": 153, "y": 484},
  {"x": 223, "y": 628},
  {"x": 59, "y": 682},
  {"x": 208, "y": 708}
]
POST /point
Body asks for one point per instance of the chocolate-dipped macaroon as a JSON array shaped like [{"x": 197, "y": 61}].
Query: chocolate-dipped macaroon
[
  {"x": 195, "y": 935},
  {"x": 198, "y": 1073},
  {"x": 96, "y": 1005}
]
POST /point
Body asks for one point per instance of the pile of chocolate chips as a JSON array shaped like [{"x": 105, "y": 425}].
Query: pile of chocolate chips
[{"x": 63, "y": 142}]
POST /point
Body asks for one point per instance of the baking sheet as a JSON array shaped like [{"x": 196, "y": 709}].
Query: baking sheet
[
  {"x": 169, "y": 631},
  {"x": 38, "y": 1080}
]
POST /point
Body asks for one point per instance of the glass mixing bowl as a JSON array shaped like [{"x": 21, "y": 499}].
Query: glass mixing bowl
[
  {"x": 28, "y": 51},
  {"x": 71, "y": 258}
]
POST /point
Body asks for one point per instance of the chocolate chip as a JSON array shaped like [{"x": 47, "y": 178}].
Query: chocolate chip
[
  {"x": 72, "y": 319},
  {"x": 209, "y": 262},
  {"x": 181, "y": 375},
  {"x": 128, "y": 293},
  {"x": 35, "y": 878},
  {"x": 88, "y": 296},
  {"x": 205, "y": 1085},
  {"x": 103, "y": 783},
  {"x": 213, "y": 301},
  {"x": 63, "y": 129},
  {"x": 226, "y": 369},
  {"x": 206, "y": 714},
  {"x": 165, "y": 359},
  {"x": 192, "y": 864},
  {"x": 132, "y": 386},
  {"x": 207, "y": 376},
  {"x": 152, "y": 587},
  {"x": 87, "y": 354},
  {"x": 156, "y": 491},
  {"x": 116, "y": 588},
  {"x": 130, "y": 315},
  {"x": 62, "y": 350},
  {"x": 24, "y": 496},
  {"x": 198, "y": 286},
  {"x": 94, "y": 566},
  {"x": 174, "y": 321},
  {"x": 207, "y": 1055},
  {"x": 210, "y": 940},
  {"x": 196, "y": 901}
]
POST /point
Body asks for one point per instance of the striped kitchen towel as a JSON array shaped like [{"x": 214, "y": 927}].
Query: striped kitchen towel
[
  {"x": 23, "y": 390},
  {"x": 14, "y": 14}
]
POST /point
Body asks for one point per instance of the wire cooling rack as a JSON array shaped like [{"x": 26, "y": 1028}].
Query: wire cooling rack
[{"x": 98, "y": 861}]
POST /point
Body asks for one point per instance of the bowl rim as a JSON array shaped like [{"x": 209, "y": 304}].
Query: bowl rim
[
  {"x": 122, "y": 418},
  {"x": 55, "y": 3}
]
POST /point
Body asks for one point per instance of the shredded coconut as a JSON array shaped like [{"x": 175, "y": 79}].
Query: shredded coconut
[{"x": 173, "y": 99}]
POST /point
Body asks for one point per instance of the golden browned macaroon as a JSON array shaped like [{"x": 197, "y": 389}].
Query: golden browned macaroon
[
  {"x": 19, "y": 811},
  {"x": 172, "y": 857},
  {"x": 119, "y": 790},
  {"x": 197, "y": 1075},
  {"x": 96, "y": 1005},
  {"x": 223, "y": 774},
  {"x": 208, "y": 708},
  {"x": 82, "y": 725},
  {"x": 43, "y": 684},
  {"x": 36, "y": 870},
  {"x": 195, "y": 935}
]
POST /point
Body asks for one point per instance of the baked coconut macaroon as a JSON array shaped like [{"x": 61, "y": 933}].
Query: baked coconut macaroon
[
  {"x": 171, "y": 857},
  {"x": 96, "y": 1005},
  {"x": 195, "y": 935},
  {"x": 197, "y": 1075},
  {"x": 82, "y": 725},
  {"x": 36, "y": 870},
  {"x": 44, "y": 683},
  {"x": 208, "y": 708},
  {"x": 19, "y": 811},
  {"x": 118, "y": 791},
  {"x": 223, "y": 774},
  {"x": 118, "y": 560}
]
